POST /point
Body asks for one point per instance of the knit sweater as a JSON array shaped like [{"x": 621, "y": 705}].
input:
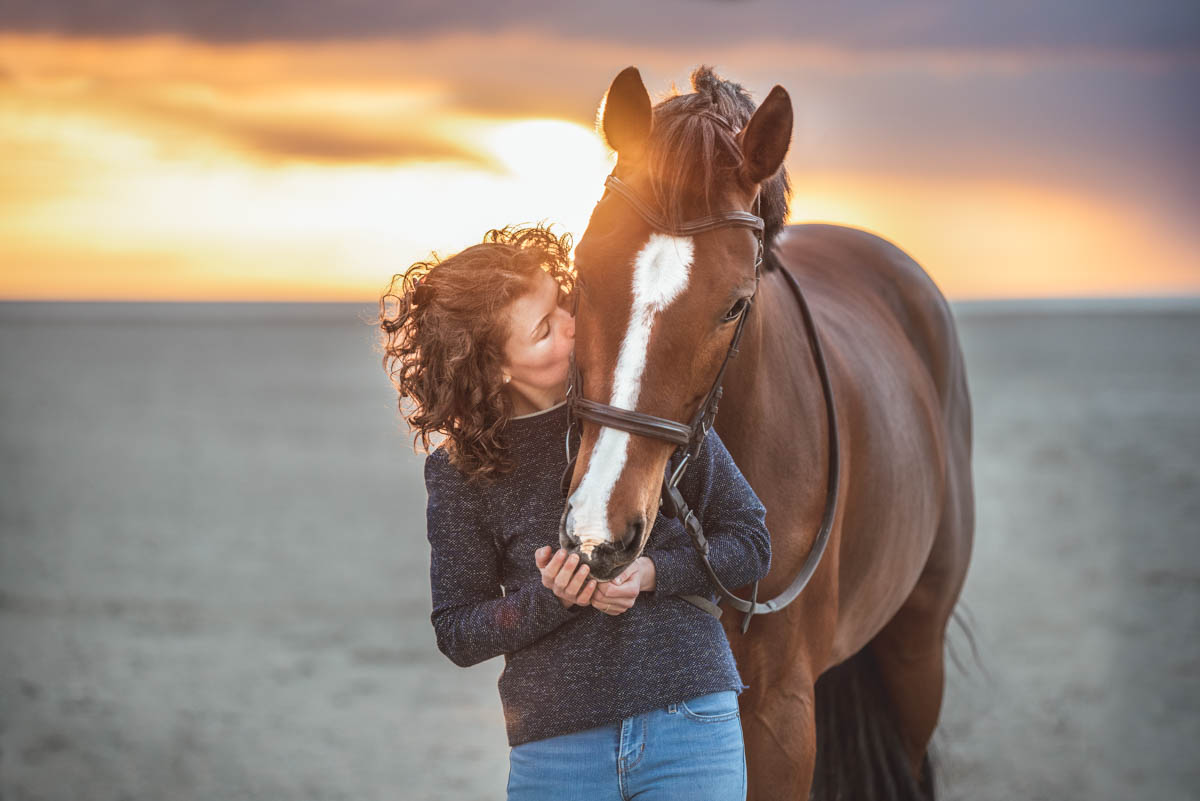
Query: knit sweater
[{"x": 572, "y": 668}]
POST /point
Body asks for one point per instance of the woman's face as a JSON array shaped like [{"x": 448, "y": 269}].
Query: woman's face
[{"x": 541, "y": 334}]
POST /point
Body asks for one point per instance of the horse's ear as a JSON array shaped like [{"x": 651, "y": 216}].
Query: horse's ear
[
  {"x": 766, "y": 137},
  {"x": 625, "y": 113}
]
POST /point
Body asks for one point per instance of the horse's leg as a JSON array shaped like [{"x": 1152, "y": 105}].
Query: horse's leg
[
  {"x": 778, "y": 718},
  {"x": 910, "y": 657},
  {"x": 779, "y": 727},
  {"x": 910, "y": 650}
]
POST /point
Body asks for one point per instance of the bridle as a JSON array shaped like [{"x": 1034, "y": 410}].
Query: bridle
[{"x": 690, "y": 437}]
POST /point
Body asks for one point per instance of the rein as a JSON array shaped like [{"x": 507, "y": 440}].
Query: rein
[{"x": 691, "y": 437}]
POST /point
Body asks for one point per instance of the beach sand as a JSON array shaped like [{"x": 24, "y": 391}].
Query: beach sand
[{"x": 213, "y": 569}]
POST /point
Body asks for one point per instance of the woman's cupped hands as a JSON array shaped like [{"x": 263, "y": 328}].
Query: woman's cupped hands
[{"x": 573, "y": 586}]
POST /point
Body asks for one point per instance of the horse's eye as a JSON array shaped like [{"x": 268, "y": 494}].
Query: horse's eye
[{"x": 736, "y": 310}]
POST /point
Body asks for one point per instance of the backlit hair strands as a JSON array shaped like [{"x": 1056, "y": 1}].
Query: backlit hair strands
[{"x": 444, "y": 323}]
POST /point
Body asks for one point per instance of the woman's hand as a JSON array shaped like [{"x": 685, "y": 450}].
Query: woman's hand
[
  {"x": 559, "y": 574},
  {"x": 619, "y": 595}
]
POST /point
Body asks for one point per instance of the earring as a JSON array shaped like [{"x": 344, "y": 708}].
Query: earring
[{"x": 507, "y": 378}]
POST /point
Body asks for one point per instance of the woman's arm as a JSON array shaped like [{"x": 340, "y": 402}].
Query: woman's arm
[
  {"x": 473, "y": 619},
  {"x": 734, "y": 520}
]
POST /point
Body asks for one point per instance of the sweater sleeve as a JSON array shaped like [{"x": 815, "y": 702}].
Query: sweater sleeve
[
  {"x": 734, "y": 520},
  {"x": 472, "y": 617}
]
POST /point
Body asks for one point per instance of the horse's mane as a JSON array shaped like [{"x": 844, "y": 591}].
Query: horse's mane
[{"x": 692, "y": 147}]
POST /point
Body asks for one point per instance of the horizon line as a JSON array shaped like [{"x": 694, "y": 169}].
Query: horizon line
[{"x": 1063, "y": 302}]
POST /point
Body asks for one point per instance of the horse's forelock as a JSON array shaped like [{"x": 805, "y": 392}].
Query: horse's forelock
[{"x": 690, "y": 151}]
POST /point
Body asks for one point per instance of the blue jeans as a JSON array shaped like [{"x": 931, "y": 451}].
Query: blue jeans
[{"x": 685, "y": 751}]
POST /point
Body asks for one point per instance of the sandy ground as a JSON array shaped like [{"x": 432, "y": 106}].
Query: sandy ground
[{"x": 213, "y": 567}]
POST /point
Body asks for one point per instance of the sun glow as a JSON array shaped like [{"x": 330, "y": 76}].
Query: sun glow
[
  {"x": 193, "y": 220},
  {"x": 553, "y": 168},
  {"x": 989, "y": 238},
  {"x": 159, "y": 168}
]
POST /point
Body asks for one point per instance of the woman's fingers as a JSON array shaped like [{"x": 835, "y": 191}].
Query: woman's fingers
[
  {"x": 572, "y": 582},
  {"x": 576, "y": 583},
  {"x": 552, "y": 568},
  {"x": 612, "y": 598},
  {"x": 622, "y": 605},
  {"x": 565, "y": 572},
  {"x": 629, "y": 570},
  {"x": 617, "y": 593},
  {"x": 585, "y": 597},
  {"x": 556, "y": 562},
  {"x": 611, "y": 607}
]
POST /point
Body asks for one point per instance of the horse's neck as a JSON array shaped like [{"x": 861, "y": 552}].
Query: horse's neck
[{"x": 772, "y": 415}]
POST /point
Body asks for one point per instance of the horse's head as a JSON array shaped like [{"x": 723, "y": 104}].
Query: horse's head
[{"x": 657, "y": 308}]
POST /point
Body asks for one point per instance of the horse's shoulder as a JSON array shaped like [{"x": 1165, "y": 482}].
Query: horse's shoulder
[{"x": 871, "y": 300}]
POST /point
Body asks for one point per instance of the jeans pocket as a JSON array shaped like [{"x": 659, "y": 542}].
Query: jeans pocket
[{"x": 711, "y": 708}]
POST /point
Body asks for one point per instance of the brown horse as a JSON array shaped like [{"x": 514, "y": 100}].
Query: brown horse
[{"x": 874, "y": 616}]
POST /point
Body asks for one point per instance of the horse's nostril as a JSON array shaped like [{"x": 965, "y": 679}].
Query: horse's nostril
[
  {"x": 633, "y": 534},
  {"x": 566, "y": 530}
]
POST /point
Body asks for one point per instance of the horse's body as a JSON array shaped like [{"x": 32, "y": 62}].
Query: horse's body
[{"x": 897, "y": 555}]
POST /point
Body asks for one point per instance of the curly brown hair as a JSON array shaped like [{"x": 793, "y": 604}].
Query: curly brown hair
[{"x": 444, "y": 323}]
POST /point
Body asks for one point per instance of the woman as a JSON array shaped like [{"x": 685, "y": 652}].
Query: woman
[{"x": 610, "y": 689}]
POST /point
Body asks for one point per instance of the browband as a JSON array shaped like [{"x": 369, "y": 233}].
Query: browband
[{"x": 740, "y": 219}]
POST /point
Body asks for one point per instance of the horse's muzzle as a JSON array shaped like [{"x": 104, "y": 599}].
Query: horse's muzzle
[{"x": 605, "y": 559}]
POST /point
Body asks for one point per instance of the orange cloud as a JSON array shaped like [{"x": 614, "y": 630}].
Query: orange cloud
[
  {"x": 160, "y": 168},
  {"x": 277, "y": 122},
  {"x": 986, "y": 238}
]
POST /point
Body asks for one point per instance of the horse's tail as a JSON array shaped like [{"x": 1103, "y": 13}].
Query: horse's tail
[{"x": 860, "y": 756}]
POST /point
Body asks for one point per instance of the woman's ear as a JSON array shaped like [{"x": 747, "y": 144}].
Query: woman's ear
[
  {"x": 625, "y": 114},
  {"x": 766, "y": 137}
]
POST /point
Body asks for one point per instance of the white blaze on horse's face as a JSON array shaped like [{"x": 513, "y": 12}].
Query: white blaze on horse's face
[{"x": 660, "y": 274}]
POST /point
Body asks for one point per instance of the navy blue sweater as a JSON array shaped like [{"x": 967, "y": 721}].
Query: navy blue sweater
[{"x": 568, "y": 669}]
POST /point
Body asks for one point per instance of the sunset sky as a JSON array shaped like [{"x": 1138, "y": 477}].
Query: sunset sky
[{"x": 289, "y": 150}]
